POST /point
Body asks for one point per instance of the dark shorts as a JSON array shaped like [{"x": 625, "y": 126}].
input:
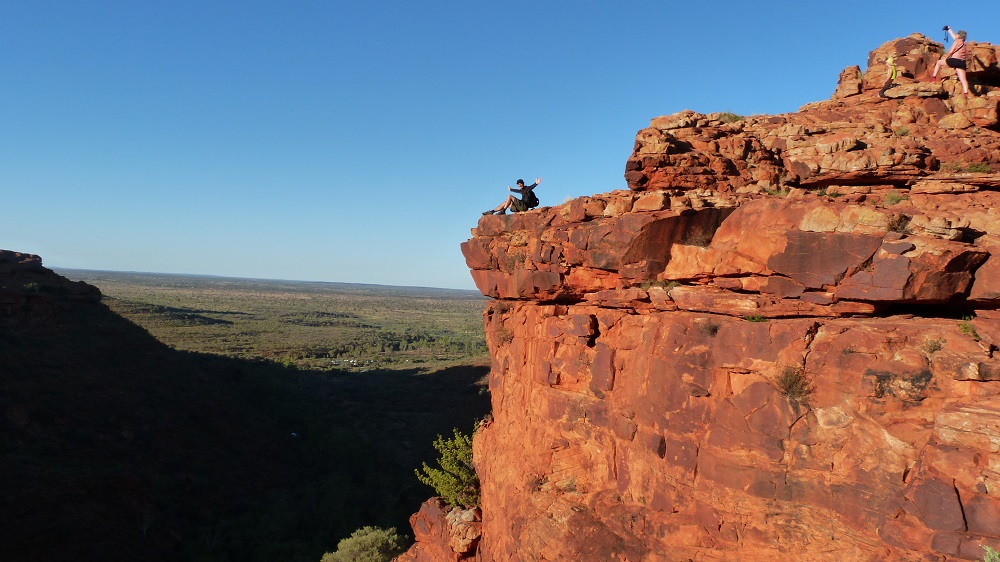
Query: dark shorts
[
  {"x": 518, "y": 206},
  {"x": 955, "y": 63}
]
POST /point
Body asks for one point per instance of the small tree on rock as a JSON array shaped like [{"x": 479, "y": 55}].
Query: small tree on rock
[{"x": 456, "y": 481}]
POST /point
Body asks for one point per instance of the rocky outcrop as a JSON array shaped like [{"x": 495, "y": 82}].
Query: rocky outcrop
[
  {"x": 855, "y": 139},
  {"x": 781, "y": 340},
  {"x": 28, "y": 290},
  {"x": 444, "y": 534}
]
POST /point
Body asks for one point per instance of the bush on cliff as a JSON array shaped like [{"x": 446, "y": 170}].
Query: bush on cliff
[
  {"x": 368, "y": 544},
  {"x": 456, "y": 481}
]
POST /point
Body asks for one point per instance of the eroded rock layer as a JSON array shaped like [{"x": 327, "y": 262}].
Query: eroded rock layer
[{"x": 781, "y": 340}]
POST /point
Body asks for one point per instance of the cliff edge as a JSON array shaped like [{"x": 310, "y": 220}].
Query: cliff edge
[{"x": 780, "y": 340}]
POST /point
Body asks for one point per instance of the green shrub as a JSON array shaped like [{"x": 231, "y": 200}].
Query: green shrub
[
  {"x": 967, "y": 328},
  {"x": 958, "y": 167},
  {"x": 368, "y": 544},
  {"x": 456, "y": 481},
  {"x": 793, "y": 383},
  {"x": 902, "y": 131},
  {"x": 930, "y": 346},
  {"x": 893, "y": 197},
  {"x": 755, "y": 318},
  {"x": 991, "y": 555},
  {"x": 729, "y": 117},
  {"x": 667, "y": 285}
]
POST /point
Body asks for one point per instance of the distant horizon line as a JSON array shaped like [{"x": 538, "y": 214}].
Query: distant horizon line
[{"x": 264, "y": 279}]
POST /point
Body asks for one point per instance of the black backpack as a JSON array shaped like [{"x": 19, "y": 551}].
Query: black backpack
[{"x": 530, "y": 199}]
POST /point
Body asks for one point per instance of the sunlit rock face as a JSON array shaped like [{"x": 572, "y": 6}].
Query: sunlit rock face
[{"x": 779, "y": 341}]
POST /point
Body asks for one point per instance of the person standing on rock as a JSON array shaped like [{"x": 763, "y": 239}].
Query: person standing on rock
[
  {"x": 527, "y": 201},
  {"x": 955, "y": 58},
  {"x": 890, "y": 76}
]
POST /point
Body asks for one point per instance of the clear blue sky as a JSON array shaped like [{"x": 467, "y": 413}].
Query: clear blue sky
[{"x": 360, "y": 141}]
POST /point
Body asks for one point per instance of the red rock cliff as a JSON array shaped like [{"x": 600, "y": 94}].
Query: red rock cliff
[{"x": 781, "y": 340}]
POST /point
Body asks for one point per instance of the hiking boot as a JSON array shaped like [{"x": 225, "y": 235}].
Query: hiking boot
[{"x": 490, "y": 212}]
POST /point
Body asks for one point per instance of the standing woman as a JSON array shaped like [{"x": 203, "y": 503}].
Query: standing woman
[{"x": 955, "y": 58}]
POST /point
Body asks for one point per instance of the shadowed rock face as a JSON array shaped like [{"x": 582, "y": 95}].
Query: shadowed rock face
[
  {"x": 779, "y": 341},
  {"x": 29, "y": 291}
]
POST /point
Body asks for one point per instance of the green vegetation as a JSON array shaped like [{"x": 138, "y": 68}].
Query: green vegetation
[
  {"x": 966, "y": 327},
  {"x": 755, "y": 318},
  {"x": 973, "y": 167},
  {"x": 826, "y": 192},
  {"x": 792, "y": 382},
  {"x": 667, "y": 285},
  {"x": 902, "y": 131},
  {"x": 368, "y": 544},
  {"x": 456, "y": 481},
  {"x": 729, "y": 117},
  {"x": 933, "y": 345},
  {"x": 316, "y": 326},
  {"x": 991, "y": 555},
  {"x": 894, "y": 197},
  {"x": 777, "y": 191}
]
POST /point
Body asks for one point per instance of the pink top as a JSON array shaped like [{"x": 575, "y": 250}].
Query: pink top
[{"x": 958, "y": 50}]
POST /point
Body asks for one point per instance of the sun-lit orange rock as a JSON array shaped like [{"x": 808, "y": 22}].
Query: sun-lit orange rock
[{"x": 781, "y": 341}]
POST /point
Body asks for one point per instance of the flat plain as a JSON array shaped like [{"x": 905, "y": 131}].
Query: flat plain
[{"x": 308, "y": 325}]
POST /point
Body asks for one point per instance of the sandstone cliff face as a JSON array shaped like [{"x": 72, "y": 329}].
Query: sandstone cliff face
[{"x": 780, "y": 341}]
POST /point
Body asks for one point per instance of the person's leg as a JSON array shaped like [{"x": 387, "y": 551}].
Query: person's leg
[
  {"x": 505, "y": 205},
  {"x": 937, "y": 67},
  {"x": 885, "y": 86},
  {"x": 962, "y": 78}
]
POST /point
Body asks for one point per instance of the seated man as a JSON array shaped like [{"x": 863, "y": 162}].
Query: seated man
[{"x": 527, "y": 201}]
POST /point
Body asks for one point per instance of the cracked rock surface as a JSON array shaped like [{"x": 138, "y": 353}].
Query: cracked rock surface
[{"x": 780, "y": 340}]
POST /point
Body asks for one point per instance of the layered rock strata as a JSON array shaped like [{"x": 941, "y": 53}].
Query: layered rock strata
[{"x": 781, "y": 340}]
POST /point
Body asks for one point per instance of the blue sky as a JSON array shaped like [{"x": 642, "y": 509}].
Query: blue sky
[{"x": 360, "y": 141}]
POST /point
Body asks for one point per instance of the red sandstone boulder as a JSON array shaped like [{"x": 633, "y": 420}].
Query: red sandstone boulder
[{"x": 442, "y": 534}]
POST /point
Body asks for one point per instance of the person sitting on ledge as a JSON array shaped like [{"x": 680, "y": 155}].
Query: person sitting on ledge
[
  {"x": 527, "y": 201},
  {"x": 955, "y": 58}
]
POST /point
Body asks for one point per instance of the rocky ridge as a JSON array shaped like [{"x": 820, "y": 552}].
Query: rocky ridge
[
  {"x": 30, "y": 291},
  {"x": 780, "y": 339}
]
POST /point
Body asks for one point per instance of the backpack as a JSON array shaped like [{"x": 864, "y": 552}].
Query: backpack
[{"x": 530, "y": 199}]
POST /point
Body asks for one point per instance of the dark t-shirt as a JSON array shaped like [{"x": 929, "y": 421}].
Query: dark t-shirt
[{"x": 527, "y": 196}]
